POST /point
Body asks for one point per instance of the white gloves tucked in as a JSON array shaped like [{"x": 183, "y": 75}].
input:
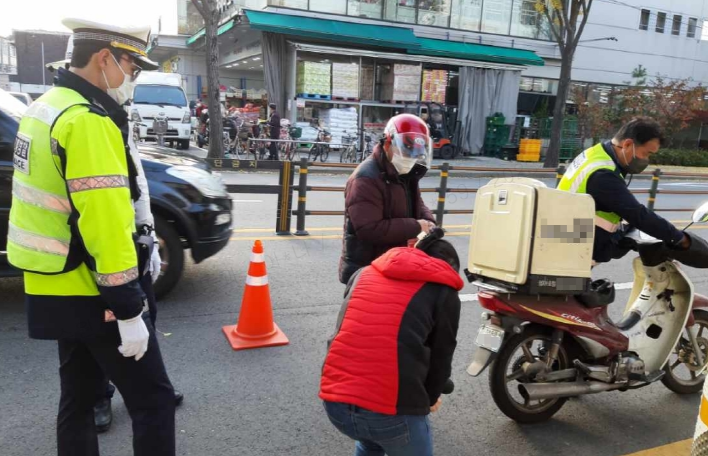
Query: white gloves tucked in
[
  {"x": 134, "y": 337},
  {"x": 155, "y": 260}
]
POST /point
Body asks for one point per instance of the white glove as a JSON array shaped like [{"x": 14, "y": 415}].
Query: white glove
[
  {"x": 155, "y": 263},
  {"x": 134, "y": 337}
]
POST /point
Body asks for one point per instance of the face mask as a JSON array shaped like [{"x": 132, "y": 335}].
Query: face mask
[
  {"x": 403, "y": 165},
  {"x": 637, "y": 165},
  {"x": 122, "y": 93}
]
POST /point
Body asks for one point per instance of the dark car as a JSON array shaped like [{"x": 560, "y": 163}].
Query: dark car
[{"x": 191, "y": 206}]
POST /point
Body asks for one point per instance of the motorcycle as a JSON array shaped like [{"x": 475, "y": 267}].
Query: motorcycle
[{"x": 542, "y": 350}]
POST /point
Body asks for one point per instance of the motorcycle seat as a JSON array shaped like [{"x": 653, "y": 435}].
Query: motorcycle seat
[{"x": 600, "y": 294}]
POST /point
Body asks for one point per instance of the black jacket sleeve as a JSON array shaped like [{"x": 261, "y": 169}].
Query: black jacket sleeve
[
  {"x": 442, "y": 342},
  {"x": 612, "y": 195}
]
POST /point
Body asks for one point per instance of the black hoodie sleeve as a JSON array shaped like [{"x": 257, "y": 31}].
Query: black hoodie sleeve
[{"x": 442, "y": 342}]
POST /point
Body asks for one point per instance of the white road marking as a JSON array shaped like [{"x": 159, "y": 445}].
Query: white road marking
[
  {"x": 473, "y": 296},
  {"x": 247, "y": 201}
]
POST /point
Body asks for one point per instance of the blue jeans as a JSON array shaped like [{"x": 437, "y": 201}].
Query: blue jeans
[{"x": 377, "y": 434}]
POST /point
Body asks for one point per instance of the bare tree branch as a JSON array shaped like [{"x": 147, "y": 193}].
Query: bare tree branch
[
  {"x": 552, "y": 24},
  {"x": 197, "y": 4},
  {"x": 586, "y": 14}
]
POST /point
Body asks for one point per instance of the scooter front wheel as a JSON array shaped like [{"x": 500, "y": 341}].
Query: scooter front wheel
[
  {"x": 683, "y": 374},
  {"x": 505, "y": 374}
]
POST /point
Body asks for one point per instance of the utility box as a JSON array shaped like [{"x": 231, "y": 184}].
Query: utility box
[{"x": 529, "y": 238}]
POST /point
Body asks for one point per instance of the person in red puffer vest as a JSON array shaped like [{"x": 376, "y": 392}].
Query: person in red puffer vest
[{"x": 391, "y": 354}]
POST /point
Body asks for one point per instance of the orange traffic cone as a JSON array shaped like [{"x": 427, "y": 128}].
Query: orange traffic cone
[{"x": 255, "y": 327}]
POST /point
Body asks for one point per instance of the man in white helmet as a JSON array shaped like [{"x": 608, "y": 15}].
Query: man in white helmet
[{"x": 72, "y": 230}]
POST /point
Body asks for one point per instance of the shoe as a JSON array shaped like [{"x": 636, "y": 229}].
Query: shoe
[
  {"x": 103, "y": 415},
  {"x": 179, "y": 397}
]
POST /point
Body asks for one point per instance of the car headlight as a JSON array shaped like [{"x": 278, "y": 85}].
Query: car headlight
[
  {"x": 202, "y": 180},
  {"x": 187, "y": 118},
  {"x": 135, "y": 116}
]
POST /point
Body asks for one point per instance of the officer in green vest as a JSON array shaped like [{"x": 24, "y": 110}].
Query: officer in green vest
[
  {"x": 71, "y": 231},
  {"x": 601, "y": 171}
]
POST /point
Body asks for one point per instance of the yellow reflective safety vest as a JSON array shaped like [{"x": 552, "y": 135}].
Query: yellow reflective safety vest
[
  {"x": 72, "y": 220},
  {"x": 576, "y": 178}
]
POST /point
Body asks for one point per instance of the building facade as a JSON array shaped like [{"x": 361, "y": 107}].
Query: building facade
[{"x": 34, "y": 49}]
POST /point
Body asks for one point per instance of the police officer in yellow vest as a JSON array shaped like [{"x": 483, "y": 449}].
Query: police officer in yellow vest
[
  {"x": 601, "y": 171},
  {"x": 72, "y": 230}
]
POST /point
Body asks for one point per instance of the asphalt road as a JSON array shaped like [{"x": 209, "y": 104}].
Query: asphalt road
[{"x": 264, "y": 402}]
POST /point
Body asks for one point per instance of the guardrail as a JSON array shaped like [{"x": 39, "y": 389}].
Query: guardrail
[{"x": 286, "y": 188}]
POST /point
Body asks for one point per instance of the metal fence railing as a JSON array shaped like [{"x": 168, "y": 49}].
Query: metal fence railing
[{"x": 286, "y": 188}]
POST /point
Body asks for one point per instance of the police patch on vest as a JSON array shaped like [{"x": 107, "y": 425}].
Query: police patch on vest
[
  {"x": 575, "y": 165},
  {"x": 21, "y": 159}
]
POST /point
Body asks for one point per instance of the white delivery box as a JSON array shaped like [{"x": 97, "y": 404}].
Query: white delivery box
[{"x": 529, "y": 238}]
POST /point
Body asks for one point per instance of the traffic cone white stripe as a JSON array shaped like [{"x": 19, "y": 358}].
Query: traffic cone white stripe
[
  {"x": 256, "y": 281},
  {"x": 257, "y": 258},
  {"x": 700, "y": 447}
]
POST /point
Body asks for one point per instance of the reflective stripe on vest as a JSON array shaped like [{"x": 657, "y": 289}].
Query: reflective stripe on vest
[
  {"x": 576, "y": 178},
  {"x": 39, "y": 237}
]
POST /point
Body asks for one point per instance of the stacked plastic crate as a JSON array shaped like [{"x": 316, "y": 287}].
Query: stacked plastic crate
[
  {"x": 497, "y": 135},
  {"x": 529, "y": 150}
]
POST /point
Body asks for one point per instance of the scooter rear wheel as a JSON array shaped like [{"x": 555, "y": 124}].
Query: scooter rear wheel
[
  {"x": 682, "y": 369},
  {"x": 505, "y": 374}
]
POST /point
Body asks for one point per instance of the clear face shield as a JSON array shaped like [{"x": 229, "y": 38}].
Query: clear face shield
[{"x": 410, "y": 149}]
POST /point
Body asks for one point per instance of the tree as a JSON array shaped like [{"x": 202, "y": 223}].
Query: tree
[
  {"x": 673, "y": 104},
  {"x": 593, "y": 118},
  {"x": 211, "y": 13},
  {"x": 567, "y": 19}
]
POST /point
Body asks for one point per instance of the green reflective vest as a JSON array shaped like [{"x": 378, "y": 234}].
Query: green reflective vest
[
  {"x": 70, "y": 199},
  {"x": 575, "y": 180}
]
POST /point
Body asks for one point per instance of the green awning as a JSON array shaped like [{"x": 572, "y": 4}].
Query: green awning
[
  {"x": 347, "y": 32},
  {"x": 222, "y": 29},
  {"x": 472, "y": 51}
]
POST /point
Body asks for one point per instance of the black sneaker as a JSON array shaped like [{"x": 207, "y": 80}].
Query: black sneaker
[{"x": 103, "y": 415}]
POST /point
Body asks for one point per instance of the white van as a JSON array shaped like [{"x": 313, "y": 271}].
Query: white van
[{"x": 161, "y": 94}]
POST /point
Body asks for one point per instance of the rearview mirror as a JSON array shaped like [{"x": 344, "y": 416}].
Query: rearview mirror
[{"x": 701, "y": 214}]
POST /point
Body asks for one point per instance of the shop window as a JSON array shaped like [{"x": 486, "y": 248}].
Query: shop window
[
  {"x": 496, "y": 16},
  {"x": 329, "y": 6},
  {"x": 676, "y": 26},
  {"x": 466, "y": 15},
  {"x": 297, "y": 4},
  {"x": 539, "y": 85},
  {"x": 400, "y": 11},
  {"x": 644, "y": 20},
  {"x": 692, "y": 25},
  {"x": 528, "y": 22},
  {"x": 366, "y": 8},
  {"x": 660, "y": 22},
  {"x": 434, "y": 12}
]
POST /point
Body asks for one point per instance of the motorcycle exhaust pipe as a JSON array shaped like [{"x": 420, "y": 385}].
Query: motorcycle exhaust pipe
[{"x": 542, "y": 391}]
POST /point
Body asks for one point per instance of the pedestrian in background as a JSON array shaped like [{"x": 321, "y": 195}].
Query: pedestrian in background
[
  {"x": 383, "y": 204},
  {"x": 391, "y": 355},
  {"x": 274, "y": 125}
]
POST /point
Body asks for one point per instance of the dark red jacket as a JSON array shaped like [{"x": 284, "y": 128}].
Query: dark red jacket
[
  {"x": 396, "y": 332},
  {"x": 382, "y": 210}
]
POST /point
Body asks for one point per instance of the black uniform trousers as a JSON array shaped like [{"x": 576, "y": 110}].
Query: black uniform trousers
[{"x": 144, "y": 385}]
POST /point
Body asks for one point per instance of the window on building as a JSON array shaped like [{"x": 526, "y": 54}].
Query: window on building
[
  {"x": 366, "y": 8},
  {"x": 644, "y": 20},
  {"x": 660, "y": 22},
  {"x": 329, "y": 6},
  {"x": 434, "y": 12},
  {"x": 400, "y": 11},
  {"x": 676, "y": 27},
  {"x": 692, "y": 24},
  {"x": 496, "y": 16},
  {"x": 527, "y": 22},
  {"x": 466, "y": 15}
]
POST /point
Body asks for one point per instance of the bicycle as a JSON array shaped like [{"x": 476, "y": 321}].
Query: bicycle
[
  {"x": 320, "y": 150},
  {"x": 293, "y": 133},
  {"x": 349, "y": 155},
  {"x": 368, "y": 147}
]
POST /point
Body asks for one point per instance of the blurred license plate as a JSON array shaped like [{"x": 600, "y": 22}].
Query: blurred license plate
[{"x": 490, "y": 338}]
